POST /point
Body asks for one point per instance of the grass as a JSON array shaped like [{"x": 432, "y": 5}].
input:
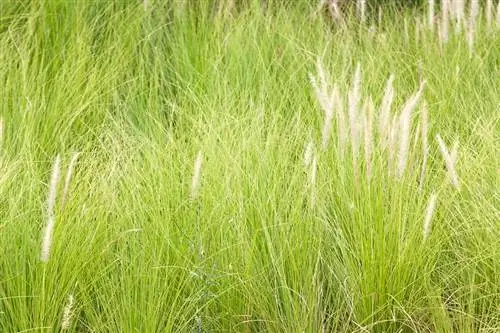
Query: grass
[{"x": 263, "y": 242}]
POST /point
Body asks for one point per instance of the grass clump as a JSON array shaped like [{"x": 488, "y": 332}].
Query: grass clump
[{"x": 248, "y": 167}]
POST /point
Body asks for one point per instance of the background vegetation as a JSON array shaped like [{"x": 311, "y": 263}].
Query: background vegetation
[{"x": 189, "y": 206}]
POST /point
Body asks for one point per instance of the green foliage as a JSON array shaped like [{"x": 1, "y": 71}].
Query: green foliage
[{"x": 140, "y": 92}]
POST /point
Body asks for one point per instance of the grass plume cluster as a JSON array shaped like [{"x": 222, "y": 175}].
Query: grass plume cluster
[{"x": 248, "y": 166}]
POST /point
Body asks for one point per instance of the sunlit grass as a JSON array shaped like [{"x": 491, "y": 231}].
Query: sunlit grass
[{"x": 191, "y": 205}]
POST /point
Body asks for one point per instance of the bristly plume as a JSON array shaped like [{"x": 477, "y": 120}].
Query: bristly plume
[
  {"x": 430, "y": 15},
  {"x": 391, "y": 144},
  {"x": 67, "y": 181},
  {"x": 444, "y": 21},
  {"x": 341, "y": 125},
  {"x": 489, "y": 13},
  {"x": 404, "y": 125},
  {"x": 195, "y": 184},
  {"x": 471, "y": 32},
  {"x": 354, "y": 99},
  {"x": 450, "y": 160},
  {"x": 458, "y": 13},
  {"x": 327, "y": 126},
  {"x": 425, "y": 142},
  {"x": 51, "y": 201},
  {"x": 385, "y": 109},
  {"x": 361, "y": 4},
  {"x": 368, "y": 135},
  {"x": 67, "y": 314},
  {"x": 428, "y": 216},
  {"x": 321, "y": 89}
]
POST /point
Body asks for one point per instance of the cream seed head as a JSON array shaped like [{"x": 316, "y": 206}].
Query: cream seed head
[
  {"x": 68, "y": 313},
  {"x": 450, "y": 160},
  {"x": 69, "y": 173},
  {"x": 428, "y": 216}
]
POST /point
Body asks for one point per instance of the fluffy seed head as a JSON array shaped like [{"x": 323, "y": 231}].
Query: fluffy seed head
[
  {"x": 489, "y": 13},
  {"x": 428, "y": 215},
  {"x": 54, "y": 179},
  {"x": 385, "y": 109},
  {"x": 404, "y": 125},
  {"x": 444, "y": 21},
  {"x": 341, "y": 125},
  {"x": 49, "y": 228},
  {"x": 354, "y": 98},
  {"x": 321, "y": 88},
  {"x": 391, "y": 144},
  {"x": 450, "y": 160},
  {"x": 67, "y": 314},
  {"x": 361, "y": 4},
  {"x": 430, "y": 14},
  {"x": 69, "y": 173},
  {"x": 471, "y": 32},
  {"x": 328, "y": 120},
  {"x": 368, "y": 136},
  {"x": 425, "y": 142}
]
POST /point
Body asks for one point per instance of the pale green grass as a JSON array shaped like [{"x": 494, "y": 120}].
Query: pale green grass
[{"x": 139, "y": 94}]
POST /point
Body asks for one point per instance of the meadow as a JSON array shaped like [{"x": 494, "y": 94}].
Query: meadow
[{"x": 249, "y": 166}]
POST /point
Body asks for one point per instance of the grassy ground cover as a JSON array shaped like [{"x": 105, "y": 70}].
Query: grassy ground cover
[{"x": 195, "y": 167}]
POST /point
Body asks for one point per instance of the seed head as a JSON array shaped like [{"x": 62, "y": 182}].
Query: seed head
[
  {"x": 67, "y": 314},
  {"x": 428, "y": 215}
]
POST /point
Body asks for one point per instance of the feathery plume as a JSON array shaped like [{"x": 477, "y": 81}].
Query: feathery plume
[
  {"x": 393, "y": 138},
  {"x": 354, "y": 98},
  {"x": 145, "y": 4},
  {"x": 385, "y": 108},
  {"x": 471, "y": 32},
  {"x": 67, "y": 181},
  {"x": 444, "y": 21},
  {"x": 51, "y": 201},
  {"x": 450, "y": 160},
  {"x": 458, "y": 12},
  {"x": 195, "y": 184},
  {"x": 489, "y": 13},
  {"x": 320, "y": 89},
  {"x": 327, "y": 126},
  {"x": 425, "y": 142},
  {"x": 341, "y": 124},
  {"x": 334, "y": 10},
  {"x": 67, "y": 314},
  {"x": 404, "y": 124},
  {"x": 430, "y": 14},
  {"x": 308, "y": 153},
  {"x": 362, "y": 10},
  {"x": 368, "y": 127},
  {"x": 428, "y": 215}
]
